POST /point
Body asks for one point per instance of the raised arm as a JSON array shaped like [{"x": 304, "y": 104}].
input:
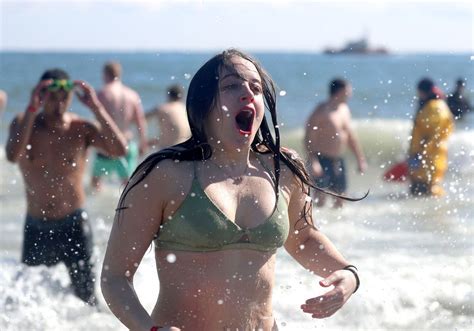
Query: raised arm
[
  {"x": 107, "y": 136},
  {"x": 22, "y": 126},
  {"x": 309, "y": 138},
  {"x": 315, "y": 252},
  {"x": 132, "y": 233},
  {"x": 354, "y": 144}
]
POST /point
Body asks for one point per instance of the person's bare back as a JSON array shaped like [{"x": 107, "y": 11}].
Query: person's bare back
[
  {"x": 173, "y": 124},
  {"x": 124, "y": 106},
  {"x": 121, "y": 103}
]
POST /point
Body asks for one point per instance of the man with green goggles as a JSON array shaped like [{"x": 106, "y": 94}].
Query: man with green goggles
[
  {"x": 56, "y": 228},
  {"x": 58, "y": 84}
]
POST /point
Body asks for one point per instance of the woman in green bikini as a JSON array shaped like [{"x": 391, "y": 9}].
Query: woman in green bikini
[{"x": 217, "y": 208}]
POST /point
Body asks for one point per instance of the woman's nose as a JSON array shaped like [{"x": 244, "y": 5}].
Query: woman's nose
[
  {"x": 247, "y": 95},
  {"x": 246, "y": 98}
]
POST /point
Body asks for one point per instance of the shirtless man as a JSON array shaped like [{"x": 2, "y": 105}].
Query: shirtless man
[
  {"x": 328, "y": 132},
  {"x": 172, "y": 120},
  {"x": 124, "y": 106},
  {"x": 51, "y": 147}
]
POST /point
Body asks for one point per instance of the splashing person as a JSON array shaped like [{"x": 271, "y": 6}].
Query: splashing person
[
  {"x": 220, "y": 204},
  {"x": 428, "y": 153},
  {"x": 50, "y": 145}
]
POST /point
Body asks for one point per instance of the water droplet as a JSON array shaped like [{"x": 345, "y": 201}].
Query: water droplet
[
  {"x": 220, "y": 302},
  {"x": 171, "y": 258},
  {"x": 282, "y": 93}
]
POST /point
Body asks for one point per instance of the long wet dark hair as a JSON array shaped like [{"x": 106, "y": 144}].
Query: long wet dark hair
[{"x": 201, "y": 98}]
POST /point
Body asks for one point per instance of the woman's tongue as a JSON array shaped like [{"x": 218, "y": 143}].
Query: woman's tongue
[{"x": 244, "y": 121}]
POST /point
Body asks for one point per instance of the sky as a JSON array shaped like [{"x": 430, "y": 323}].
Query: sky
[{"x": 267, "y": 25}]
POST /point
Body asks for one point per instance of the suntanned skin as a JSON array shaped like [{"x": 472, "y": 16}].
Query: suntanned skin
[
  {"x": 228, "y": 289},
  {"x": 50, "y": 147},
  {"x": 125, "y": 107},
  {"x": 329, "y": 131},
  {"x": 172, "y": 122}
]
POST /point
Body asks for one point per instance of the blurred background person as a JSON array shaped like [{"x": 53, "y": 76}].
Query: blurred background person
[
  {"x": 328, "y": 133},
  {"x": 428, "y": 153},
  {"x": 50, "y": 145},
  {"x": 3, "y": 100},
  {"x": 458, "y": 100},
  {"x": 124, "y": 105},
  {"x": 173, "y": 126}
]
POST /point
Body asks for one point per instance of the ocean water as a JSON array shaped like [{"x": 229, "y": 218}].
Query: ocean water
[{"x": 415, "y": 256}]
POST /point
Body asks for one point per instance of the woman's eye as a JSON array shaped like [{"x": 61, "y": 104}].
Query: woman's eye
[
  {"x": 257, "y": 88},
  {"x": 231, "y": 86}
]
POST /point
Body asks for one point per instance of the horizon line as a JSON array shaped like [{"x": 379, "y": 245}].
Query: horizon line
[{"x": 205, "y": 51}]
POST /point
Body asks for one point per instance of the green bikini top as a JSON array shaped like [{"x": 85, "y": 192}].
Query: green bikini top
[{"x": 200, "y": 226}]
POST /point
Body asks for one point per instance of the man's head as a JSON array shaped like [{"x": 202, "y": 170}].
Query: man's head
[
  {"x": 58, "y": 95},
  {"x": 426, "y": 89},
  {"x": 340, "y": 89},
  {"x": 112, "y": 71},
  {"x": 460, "y": 85},
  {"x": 175, "y": 93}
]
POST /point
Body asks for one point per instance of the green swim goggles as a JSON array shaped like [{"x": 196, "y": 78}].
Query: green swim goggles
[{"x": 58, "y": 84}]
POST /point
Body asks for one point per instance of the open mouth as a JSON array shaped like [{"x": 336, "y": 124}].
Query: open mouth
[{"x": 244, "y": 121}]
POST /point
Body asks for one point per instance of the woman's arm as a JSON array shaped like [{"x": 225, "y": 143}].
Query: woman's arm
[
  {"x": 315, "y": 252},
  {"x": 132, "y": 233}
]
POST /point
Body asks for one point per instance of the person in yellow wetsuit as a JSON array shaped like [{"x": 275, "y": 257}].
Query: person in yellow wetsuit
[{"x": 428, "y": 153}]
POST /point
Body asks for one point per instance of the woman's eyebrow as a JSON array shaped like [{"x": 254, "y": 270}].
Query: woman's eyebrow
[{"x": 234, "y": 75}]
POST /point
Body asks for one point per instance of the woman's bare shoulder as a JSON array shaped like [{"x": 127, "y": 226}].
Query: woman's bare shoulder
[
  {"x": 170, "y": 177},
  {"x": 288, "y": 176}
]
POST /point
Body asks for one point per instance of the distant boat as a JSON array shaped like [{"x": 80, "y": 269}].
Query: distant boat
[{"x": 360, "y": 46}]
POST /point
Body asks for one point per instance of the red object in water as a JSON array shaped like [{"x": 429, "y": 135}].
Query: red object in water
[{"x": 397, "y": 173}]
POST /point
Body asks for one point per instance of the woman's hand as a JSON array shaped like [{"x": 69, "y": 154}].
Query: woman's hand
[{"x": 327, "y": 304}]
